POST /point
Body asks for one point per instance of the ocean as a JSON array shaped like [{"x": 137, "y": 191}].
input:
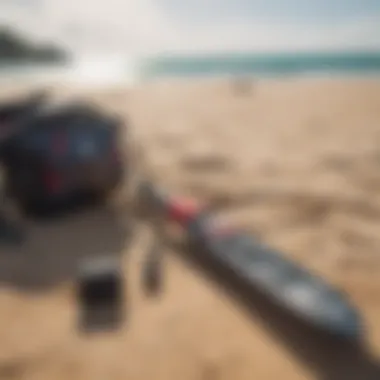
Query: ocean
[
  {"x": 264, "y": 65},
  {"x": 122, "y": 70}
]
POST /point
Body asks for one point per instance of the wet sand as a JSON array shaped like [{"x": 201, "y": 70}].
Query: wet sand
[{"x": 295, "y": 162}]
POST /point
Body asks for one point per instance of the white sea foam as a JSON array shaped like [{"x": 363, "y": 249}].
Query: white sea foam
[{"x": 94, "y": 71}]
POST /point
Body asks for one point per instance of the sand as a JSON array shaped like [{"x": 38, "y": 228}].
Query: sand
[{"x": 295, "y": 162}]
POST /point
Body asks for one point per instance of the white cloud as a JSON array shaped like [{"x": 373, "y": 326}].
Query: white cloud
[
  {"x": 135, "y": 25},
  {"x": 364, "y": 33},
  {"x": 139, "y": 26}
]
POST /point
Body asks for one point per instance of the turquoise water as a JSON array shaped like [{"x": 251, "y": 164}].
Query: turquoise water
[
  {"x": 128, "y": 71},
  {"x": 263, "y": 64}
]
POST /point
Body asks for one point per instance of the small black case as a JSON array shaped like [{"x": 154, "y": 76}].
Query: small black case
[{"x": 100, "y": 294}]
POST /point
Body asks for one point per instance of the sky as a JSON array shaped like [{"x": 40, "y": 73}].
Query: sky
[{"x": 146, "y": 26}]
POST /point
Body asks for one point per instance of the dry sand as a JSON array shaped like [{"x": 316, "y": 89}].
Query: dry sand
[{"x": 295, "y": 161}]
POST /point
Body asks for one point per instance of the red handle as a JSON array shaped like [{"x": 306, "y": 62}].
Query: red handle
[{"x": 181, "y": 210}]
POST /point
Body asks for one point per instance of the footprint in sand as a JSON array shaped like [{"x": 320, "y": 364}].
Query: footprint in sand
[{"x": 205, "y": 163}]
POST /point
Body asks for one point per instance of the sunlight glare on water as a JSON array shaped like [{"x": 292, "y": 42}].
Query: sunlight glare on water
[
  {"x": 88, "y": 71},
  {"x": 102, "y": 70}
]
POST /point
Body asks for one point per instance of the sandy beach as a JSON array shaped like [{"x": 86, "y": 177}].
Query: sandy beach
[{"x": 294, "y": 161}]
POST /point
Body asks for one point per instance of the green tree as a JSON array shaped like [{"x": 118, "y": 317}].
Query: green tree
[{"x": 14, "y": 48}]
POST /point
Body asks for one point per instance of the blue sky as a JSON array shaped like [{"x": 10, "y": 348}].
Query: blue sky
[
  {"x": 299, "y": 11},
  {"x": 282, "y": 24},
  {"x": 151, "y": 25}
]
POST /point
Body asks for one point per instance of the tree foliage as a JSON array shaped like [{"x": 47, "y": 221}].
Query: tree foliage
[{"x": 16, "y": 48}]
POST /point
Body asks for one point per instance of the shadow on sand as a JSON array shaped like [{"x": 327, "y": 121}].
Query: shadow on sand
[
  {"x": 327, "y": 357},
  {"x": 55, "y": 250},
  {"x": 55, "y": 246}
]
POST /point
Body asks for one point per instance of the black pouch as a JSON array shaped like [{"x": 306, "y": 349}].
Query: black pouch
[{"x": 100, "y": 295}]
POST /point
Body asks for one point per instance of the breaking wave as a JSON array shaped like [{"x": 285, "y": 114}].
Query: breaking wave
[{"x": 85, "y": 71}]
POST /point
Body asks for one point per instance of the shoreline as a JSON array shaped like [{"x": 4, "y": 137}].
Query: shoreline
[{"x": 51, "y": 80}]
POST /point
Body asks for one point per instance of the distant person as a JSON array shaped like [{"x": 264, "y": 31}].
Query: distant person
[{"x": 243, "y": 85}]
